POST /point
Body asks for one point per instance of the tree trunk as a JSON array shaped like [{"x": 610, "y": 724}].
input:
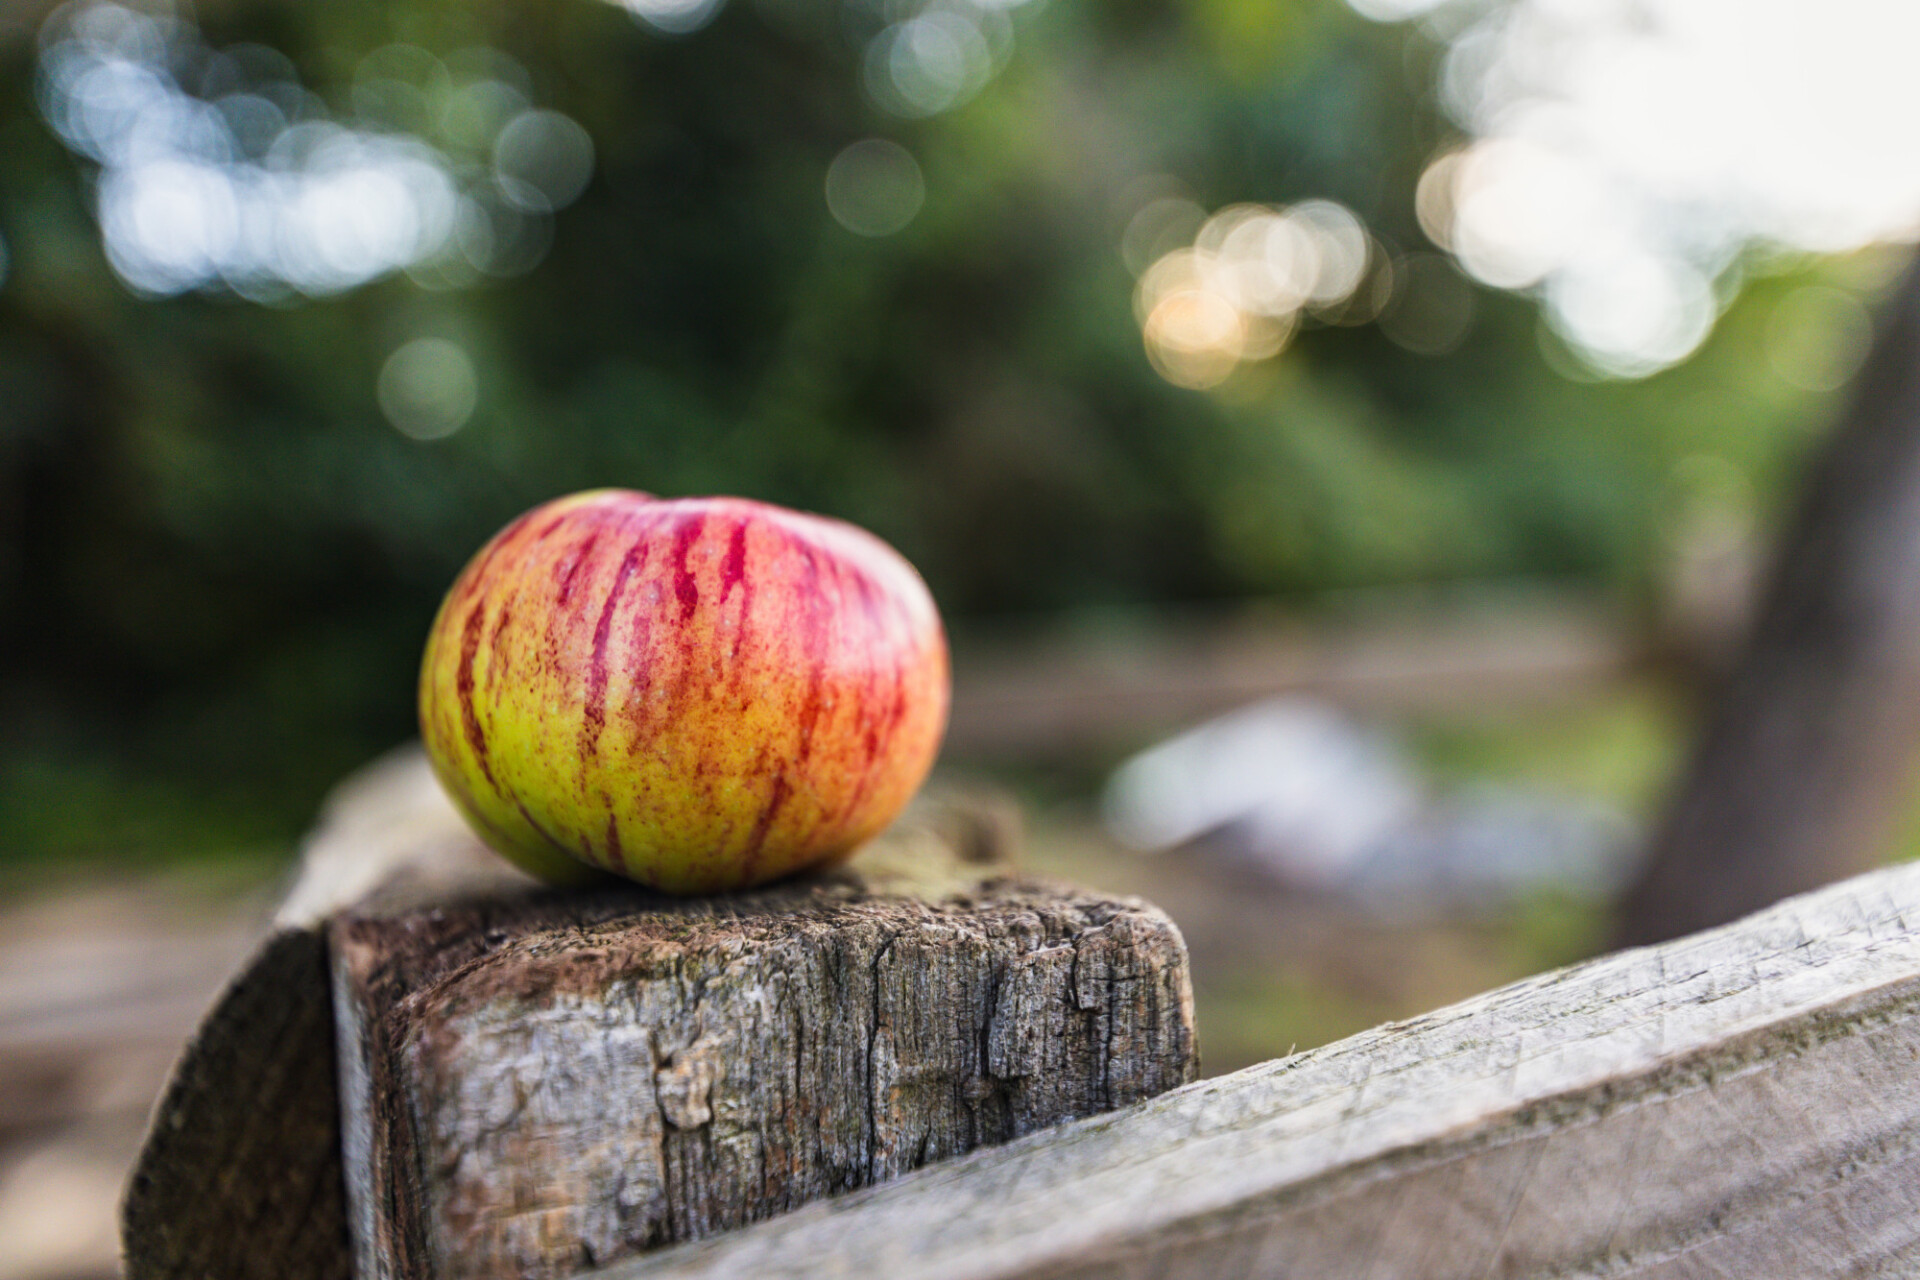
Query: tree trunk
[{"x": 1809, "y": 744}]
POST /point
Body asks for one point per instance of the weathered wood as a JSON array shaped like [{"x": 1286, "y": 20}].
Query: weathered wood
[
  {"x": 539, "y": 1082},
  {"x": 1744, "y": 1102},
  {"x": 240, "y": 1176},
  {"x": 535, "y": 1081},
  {"x": 1806, "y": 761}
]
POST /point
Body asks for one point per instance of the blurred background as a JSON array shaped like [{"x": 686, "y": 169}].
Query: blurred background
[{"x": 1347, "y": 438}]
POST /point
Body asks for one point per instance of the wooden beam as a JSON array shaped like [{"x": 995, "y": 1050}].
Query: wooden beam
[
  {"x": 1050, "y": 697},
  {"x": 1743, "y": 1102}
]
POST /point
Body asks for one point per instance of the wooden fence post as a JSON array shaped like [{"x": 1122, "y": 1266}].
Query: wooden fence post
[{"x": 534, "y": 1082}]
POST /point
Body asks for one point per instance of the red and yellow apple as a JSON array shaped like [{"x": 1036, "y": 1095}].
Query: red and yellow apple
[{"x": 699, "y": 694}]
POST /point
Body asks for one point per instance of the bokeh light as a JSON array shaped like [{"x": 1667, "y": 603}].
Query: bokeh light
[
  {"x": 428, "y": 388},
  {"x": 1629, "y": 313},
  {"x": 874, "y": 187},
  {"x": 220, "y": 172},
  {"x": 542, "y": 161},
  {"x": 1393, "y": 10},
  {"x": 931, "y": 56},
  {"x": 673, "y": 17},
  {"x": 1244, "y": 279},
  {"x": 1817, "y": 337},
  {"x": 928, "y": 64},
  {"x": 1195, "y": 337},
  {"x": 1340, "y": 249},
  {"x": 1432, "y": 306},
  {"x": 1162, "y": 224},
  {"x": 1630, "y": 162}
]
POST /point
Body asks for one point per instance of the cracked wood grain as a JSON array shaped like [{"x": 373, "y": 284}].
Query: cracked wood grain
[
  {"x": 533, "y": 1083},
  {"x": 1741, "y": 1102},
  {"x": 553, "y": 1080}
]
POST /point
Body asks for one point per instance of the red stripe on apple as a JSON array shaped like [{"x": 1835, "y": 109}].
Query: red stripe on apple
[{"x": 700, "y": 694}]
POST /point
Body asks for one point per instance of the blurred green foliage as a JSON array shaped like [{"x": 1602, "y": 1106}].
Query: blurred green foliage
[
  {"x": 217, "y": 559},
  {"x": 1621, "y": 747}
]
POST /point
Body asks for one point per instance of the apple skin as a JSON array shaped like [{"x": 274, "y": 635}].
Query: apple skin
[{"x": 700, "y": 694}]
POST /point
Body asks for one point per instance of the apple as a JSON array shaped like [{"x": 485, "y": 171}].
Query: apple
[{"x": 699, "y": 694}]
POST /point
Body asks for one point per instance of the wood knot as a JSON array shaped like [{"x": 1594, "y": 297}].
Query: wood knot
[
  {"x": 684, "y": 1082},
  {"x": 978, "y": 1089}
]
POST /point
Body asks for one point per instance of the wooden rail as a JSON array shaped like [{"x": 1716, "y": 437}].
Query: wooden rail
[
  {"x": 540, "y": 1085},
  {"x": 1744, "y": 1102},
  {"x": 1052, "y": 697}
]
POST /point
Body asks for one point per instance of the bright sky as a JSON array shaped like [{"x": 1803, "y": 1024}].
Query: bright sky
[{"x": 1627, "y": 154}]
